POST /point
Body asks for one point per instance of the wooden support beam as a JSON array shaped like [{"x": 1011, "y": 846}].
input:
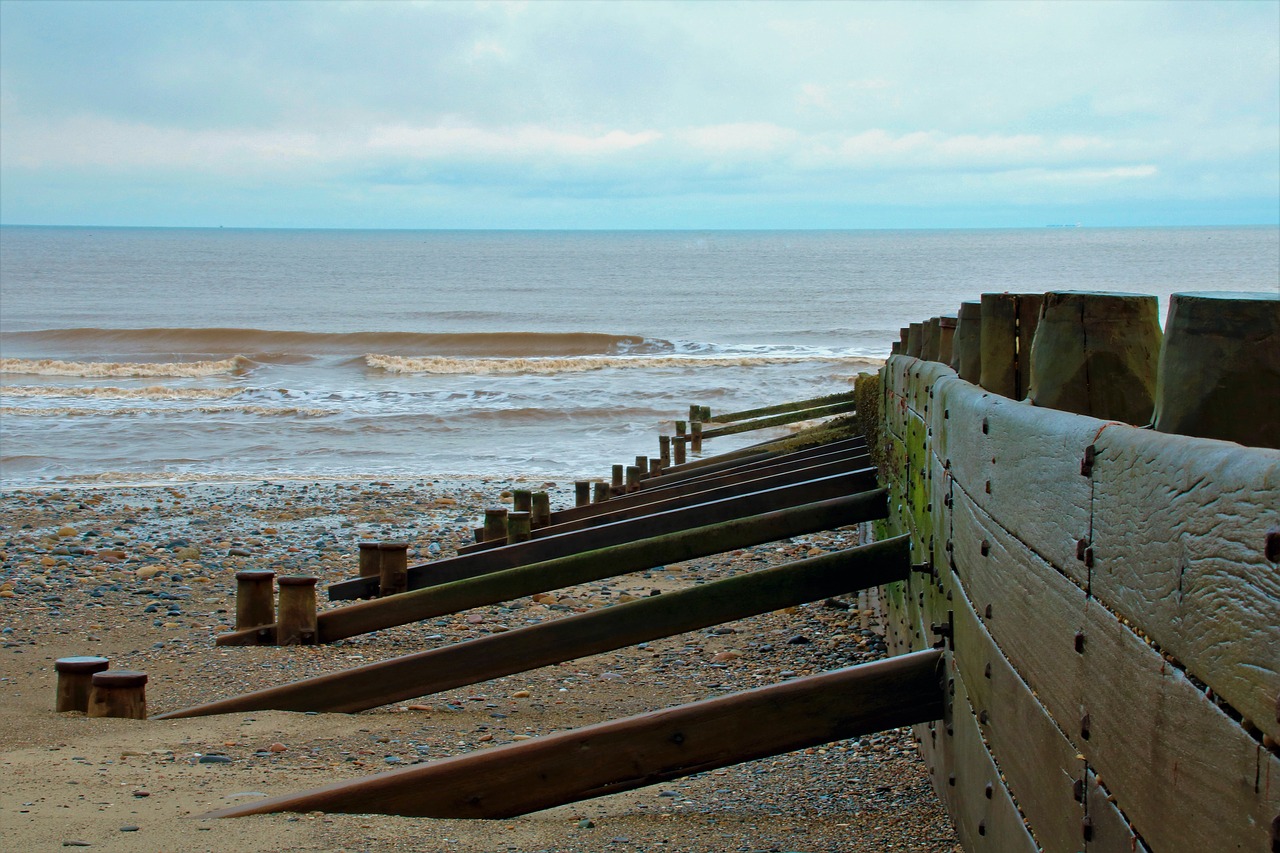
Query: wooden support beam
[
  {"x": 737, "y": 459},
  {"x": 642, "y": 750},
  {"x": 780, "y": 420},
  {"x": 582, "y": 567},
  {"x": 749, "y": 414},
  {"x": 572, "y": 637},
  {"x": 470, "y": 565},
  {"x": 668, "y": 499}
]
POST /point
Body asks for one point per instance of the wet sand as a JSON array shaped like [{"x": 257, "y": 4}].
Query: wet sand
[{"x": 144, "y": 575}]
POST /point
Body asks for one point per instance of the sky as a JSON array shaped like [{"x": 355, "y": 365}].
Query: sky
[{"x": 676, "y": 115}]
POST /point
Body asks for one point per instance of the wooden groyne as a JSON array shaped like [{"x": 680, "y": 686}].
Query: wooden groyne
[{"x": 1107, "y": 596}]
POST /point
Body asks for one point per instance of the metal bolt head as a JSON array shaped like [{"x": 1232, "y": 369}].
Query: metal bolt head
[{"x": 1273, "y": 546}]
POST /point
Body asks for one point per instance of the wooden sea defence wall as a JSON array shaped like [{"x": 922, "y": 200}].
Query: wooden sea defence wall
[{"x": 1107, "y": 596}]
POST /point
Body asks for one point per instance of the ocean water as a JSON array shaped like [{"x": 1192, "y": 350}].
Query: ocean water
[{"x": 134, "y": 354}]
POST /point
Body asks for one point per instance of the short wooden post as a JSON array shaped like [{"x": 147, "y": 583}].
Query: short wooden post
[
  {"x": 600, "y": 492},
  {"x": 966, "y": 346},
  {"x": 495, "y": 523},
  {"x": 705, "y": 411},
  {"x": 75, "y": 679},
  {"x": 118, "y": 693},
  {"x": 642, "y": 462},
  {"x": 681, "y": 443},
  {"x": 695, "y": 413},
  {"x": 915, "y": 339},
  {"x": 522, "y": 500},
  {"x": 369, "y": 560},
  {"x": 581, "y": 493},
  {"x": 633, "y": 478},
  {"x": 519, "y": 527},
  {"x": 695, "y": 436},
  {"x": 296, "y": 625},
  {"x": 540, "y": 514},
  {"x": 946, "y": 337},
  {"x": 1096, "y": 354},
  {"x": 1220, "y": 368},
  {"x": 664, "y": 451},
  {"x": 655, "y": 467},
  {"x": 393, "y": 577},
  {"x": 1008, "y": 326},
  {"x": 255, "y": 595},
  {"x": 904, "y": 335},
  {"x": 617, "y": 483},
  {"x": 929, "y": 339}
]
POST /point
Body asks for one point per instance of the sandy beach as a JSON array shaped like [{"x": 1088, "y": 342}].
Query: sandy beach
[{"x": 144, "y": 575}]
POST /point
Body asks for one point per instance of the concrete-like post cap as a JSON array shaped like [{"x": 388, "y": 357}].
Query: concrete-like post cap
[
  {"x": 297, "y": 580},
  {"x": 119, "y": 678},
  {"x": 81, "y": 664}
]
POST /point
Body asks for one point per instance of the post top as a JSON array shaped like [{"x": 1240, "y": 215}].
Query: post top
[
  {"x": 255, "y": 575},
  {"x": 393, "y": 546},
  {"x": 81, "y": 663},
  {"x": 297, "y": 580},
  {"x": 119, "y": 678},
  {"x": 1233, "y": 295}
]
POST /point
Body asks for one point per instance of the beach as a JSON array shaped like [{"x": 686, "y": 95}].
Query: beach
[{"x": 144, "y": 575}]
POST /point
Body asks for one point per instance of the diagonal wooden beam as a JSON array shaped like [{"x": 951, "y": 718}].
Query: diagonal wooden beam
[
  {"x": 737, "y": 459},
  {"x": 622, "y": 755},
  {"x": 748, "y": 414},
  {"x": 780, "y": 420},
  {"x": 559, "y": 640}
]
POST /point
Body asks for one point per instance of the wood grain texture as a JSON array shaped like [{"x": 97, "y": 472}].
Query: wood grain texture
[
  {"x": 631, "y": 753},
  {"x": 1180, "y": 527},
  {"x": 1187, "y": 775}
]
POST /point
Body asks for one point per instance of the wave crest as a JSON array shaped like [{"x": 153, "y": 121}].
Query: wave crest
[
  {"x": 153, "y": 392},
  {"x": 118, "y": 369},
  {"x": 481, "y": 366},
  {"x": 86, "y": 412}
]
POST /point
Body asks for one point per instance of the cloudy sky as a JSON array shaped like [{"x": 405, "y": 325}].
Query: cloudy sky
[{"x": 639, "y": 115}]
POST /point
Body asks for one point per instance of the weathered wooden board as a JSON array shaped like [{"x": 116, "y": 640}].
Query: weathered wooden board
[
  {"x": 1021, "y": 464},
  {"x": 1134, "y": 717},
  {"x": 1109, "y": 830},
  {"x": 1040, "y": 766},
  {"x": 964, "y": 774},
  {"x": 1179, "y": 548}
]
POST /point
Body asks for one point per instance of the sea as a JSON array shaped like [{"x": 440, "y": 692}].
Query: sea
[{"x": 159, "y": 355}]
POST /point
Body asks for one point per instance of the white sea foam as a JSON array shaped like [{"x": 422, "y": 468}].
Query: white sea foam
[
  {"x": 85, "y": 412},
  {"x": 153, "y": 392},
  {"x": 401, "y": 364},
  {"x": 95, "y": 369}
]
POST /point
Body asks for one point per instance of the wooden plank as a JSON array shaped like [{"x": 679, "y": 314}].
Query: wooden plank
[
  {"x": 963, "y": 773},
  {"x": 1029, "y": 458},
  {"x": 1109, "y": 830},
  {"x": 626, "y": 754},
  {"x": 1179, "y": 549},
  {"x": 780, "y": 420},
  {"x": 583, "y": 567},
  {"x": 559, "y": 640},
  {"x": 795, "y": 406},
  {"x": 1187, "y": 775},
  {"x": 605, "y": 535},
  {"x": 726, "y": 464}
]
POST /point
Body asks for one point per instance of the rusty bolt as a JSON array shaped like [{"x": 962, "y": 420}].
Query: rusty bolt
[
  {"x": 987, "y": 671},
  {"x": 984, "y": 716},
  {"x": 1084, "y": 727},
  {"x": 989, "y": 791},
  {"x": 988, "y": 611},
  {"x": 985, "y": 426},
  {"x": 1077, "y": 790},
  {"x": 982, "y": 827},
  {"x": 1086, "y": 828},
  {"x": 1079, "y": 642},
  {"x": 951, "y": 780},
  {"x": 1273, "y": 546},
  {"x": 985, "y": 548},
  {"x": 1088, "y": 558},
  {"x": 1086, "y": 464},
  {"x": 1081, "y": 545},
  {"x": 988, "y": 487}
]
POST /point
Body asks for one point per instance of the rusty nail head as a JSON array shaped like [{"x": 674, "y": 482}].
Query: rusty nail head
[
  {"x": 1081, "y": 545},
  {"x": 989, "y": 790},
  {"x": 987, "y": 671},
  {"x": 982, "y": 827},
  {"x": 985, "y": 548},
  {"x": 1080, "y": 642},
  {"x": 1086, "y": 828},
  {"x": 988, "y": 611},
  {"x": 1088, "y": 558},
  {"x": 985, "y": 426},
  {"x": 1273, "y": 546},
  {"x": 1084, "y": 727},
  {"x": 984, "y": 716},
  {"x": 988, "y": 487},
  {"x": 1086, "y": 465},
  {"x": 951, "y": 780},
  {"x": 1077, "y": 790}
]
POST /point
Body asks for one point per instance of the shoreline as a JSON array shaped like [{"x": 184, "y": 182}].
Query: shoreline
[{"x": 154, "y": 583}]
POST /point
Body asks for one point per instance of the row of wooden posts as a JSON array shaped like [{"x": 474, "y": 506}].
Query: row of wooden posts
[{"x": 1214, "y": 371}]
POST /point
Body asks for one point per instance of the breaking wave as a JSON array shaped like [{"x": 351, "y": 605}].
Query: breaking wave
[
  {"x": 436, "y": 364},
  {"x": 85, "y": 411},
  {"x": 119, "y": 370},
  {"x": 154, "y": 392}
]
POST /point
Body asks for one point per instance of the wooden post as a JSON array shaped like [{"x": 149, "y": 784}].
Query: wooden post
[
  {"x": 633, "y": 478},
  {"x": 297, "y": 611},
  {"x": 642, "y": 462},
  {"x": 118, "y": 693},
  {"x": 1220, "y": 368},
  {"x": 521, "y": 500},
  {"x": 664, "y": 451},
  {"x": 946, "y": 337},
  {"x": 1008, "y": 327},
  {"x": 393, "y": 577},
  {"x": 695, "y": 413},
  {"x": 255, "y": 595},
  {"x": 929, "y": 339},
  {"x": 540, "y": 513},
  {"x": 75, "y": 678},
  {"x": 705, "y": 411},
  {"x": 681, "y": 449},
  {"x": 519, "y": 527},
  {"x": 655, "y": 468},
  {"x": 695, "y": 437},
  {"x": 915, "y": 339},
  {"x": 495, "y": 523},
  {"x": 1096, "y": 354},
  {"x": 617, "y": 485},
  {"x": 581, "y": 493},
  {"x": 642, "y": 750},
  {"x": 370, "y": 558},
  {"x": 904, "y": 340},
  {"x": 600, "y": 492},
  {"x": 966, "y": 346}
]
